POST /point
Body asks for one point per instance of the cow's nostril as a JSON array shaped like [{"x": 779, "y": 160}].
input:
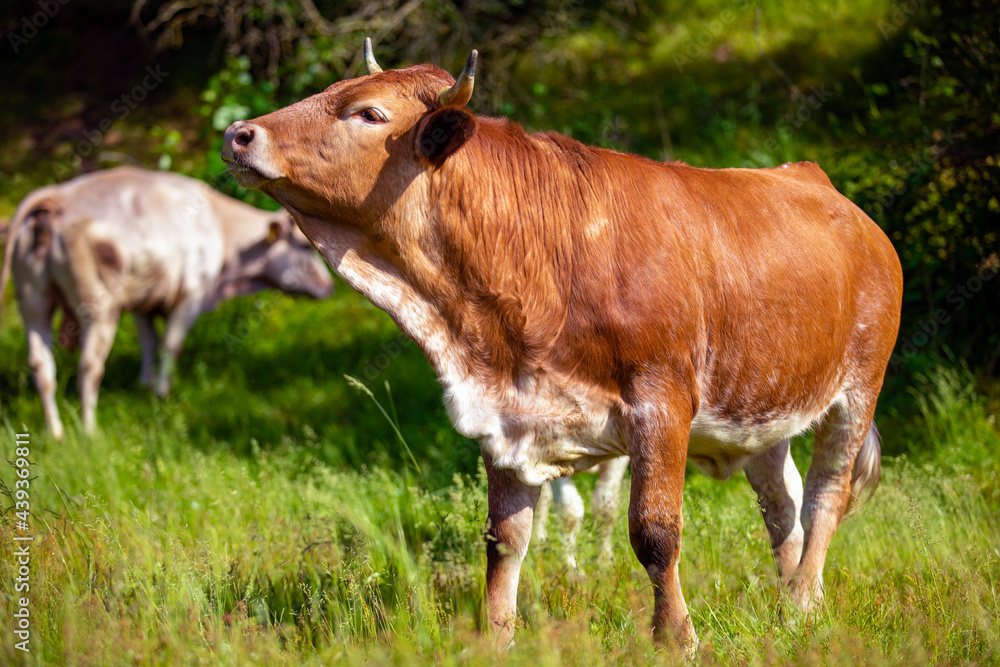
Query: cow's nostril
[
  {"x": 243, "y": 136},
  {"x": 245, "y": 149}
]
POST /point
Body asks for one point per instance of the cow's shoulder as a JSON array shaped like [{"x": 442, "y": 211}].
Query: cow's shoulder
[{"x": 806, "y": 171}]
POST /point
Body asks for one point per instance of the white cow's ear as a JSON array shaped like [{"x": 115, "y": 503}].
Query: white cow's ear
[{"x": 275, "y": 232}]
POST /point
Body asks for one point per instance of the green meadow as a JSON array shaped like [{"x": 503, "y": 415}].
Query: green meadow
[{"x": 267, "y": 513}]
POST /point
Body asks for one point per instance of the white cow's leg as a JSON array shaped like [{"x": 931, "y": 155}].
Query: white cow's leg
[
  {"x": 37, "y": 305},
  {"x": 508, "y": 531},
  {"x": 96, "y": 340},
  {"x": 569, "y": 508},
  {"x": 837, "y": 442},
  {"x": 179, "y": 322},
  {"x": 149, "y": 342},
  {"x": 540, "y": 532},
  {"x": 778, "y": 485},
  {"x": 37, "y": 316},
  {"x": 607, "y": 494}
]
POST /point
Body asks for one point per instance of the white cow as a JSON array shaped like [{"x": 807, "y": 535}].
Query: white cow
[
  {"x": 152, "y": 243},
  {"x": 561, "y": 495}
]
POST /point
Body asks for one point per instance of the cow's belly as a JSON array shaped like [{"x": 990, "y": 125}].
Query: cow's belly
[
  {"x": 539, "y": 450},
  {"x": 550, "y": 429},
  {"x": 719, "y": 447}
]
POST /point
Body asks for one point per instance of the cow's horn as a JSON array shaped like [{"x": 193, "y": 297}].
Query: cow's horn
[
  {"x": 370, "y": 63},
  {"x": 460, "y": 94}
]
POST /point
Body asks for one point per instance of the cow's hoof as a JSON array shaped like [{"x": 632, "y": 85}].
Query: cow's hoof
[
  {"x": 805, "y": 595},
  {"x": 684, "y": 642},
  {"x": 503, "y": 635}
]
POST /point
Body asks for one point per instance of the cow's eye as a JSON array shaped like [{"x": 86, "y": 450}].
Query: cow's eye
[{"x": 372, "y": 116}]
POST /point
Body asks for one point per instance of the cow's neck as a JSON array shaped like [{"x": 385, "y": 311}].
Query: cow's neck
[
  {"x": 401, "y": 292},
  {"x": 420, "y": 312},
  {"x": 238, "y": 275},
  {"x": 480, "y": 277}
]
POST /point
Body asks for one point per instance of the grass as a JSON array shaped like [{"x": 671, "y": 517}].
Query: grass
[
  {"x": 243, "y": 384},
  {"x": 218, "y": 527}
]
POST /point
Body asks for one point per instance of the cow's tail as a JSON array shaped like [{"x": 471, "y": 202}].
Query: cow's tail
[
  {"x": 39, "y": 200},
  {"x": 867, "y": 469}
]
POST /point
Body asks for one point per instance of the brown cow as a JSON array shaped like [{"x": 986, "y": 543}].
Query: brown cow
[
  {"x": 579, "y": 304},
  {"x": 153, "y": 243}
]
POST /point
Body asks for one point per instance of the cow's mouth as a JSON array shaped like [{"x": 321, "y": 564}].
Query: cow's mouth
[{"x": 244, "y": 174}]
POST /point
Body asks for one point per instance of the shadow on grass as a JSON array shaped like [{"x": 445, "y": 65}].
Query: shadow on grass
[{"x": 265, "y": 370}]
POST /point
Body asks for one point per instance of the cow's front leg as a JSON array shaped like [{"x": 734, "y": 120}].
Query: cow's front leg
[
  {"x": 570, "y": 510},
  {"x": 149, "y": 342},
  {"x": 508, "y": 531},
  {"x": 179, "y": 322},
  {"x": 606, "y": 502},
  {"x": 657, "y": 444}
]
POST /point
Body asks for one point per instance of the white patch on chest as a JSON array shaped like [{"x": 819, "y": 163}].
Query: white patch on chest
[
  {"x": 547, "y": 427},
  {"x": 543, "y": 428}
]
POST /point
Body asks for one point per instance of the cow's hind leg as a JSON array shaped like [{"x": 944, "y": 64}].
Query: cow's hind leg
[
  {"x": 778, "y": 485},
  {"x": 97, "y": 338},
  {"x": 508, "y": 531},
  {"x": 37, "y": 302},
  {"x": 37, "y": 315},
  {"x": 837, "y": 444},
  {"x": 657, "y": 445}
]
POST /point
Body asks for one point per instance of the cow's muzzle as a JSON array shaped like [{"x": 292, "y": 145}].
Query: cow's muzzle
[{"x": 246, "y": 150}]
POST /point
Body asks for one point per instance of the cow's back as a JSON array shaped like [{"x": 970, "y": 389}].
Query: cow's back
[
  {"x": 793, "y": 298},
  {"x": 146, "y": 239},
  {"x": 795, "y": 276},
  {"x": 752, "y": 284}
]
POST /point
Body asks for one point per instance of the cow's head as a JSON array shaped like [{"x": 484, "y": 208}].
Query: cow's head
[
  {"x": 281, "y": 258},
  {"x": 350, "y": 152}
]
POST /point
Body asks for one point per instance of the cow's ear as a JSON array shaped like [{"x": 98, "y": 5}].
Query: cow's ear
[
  {"x": 275, "y": 232},
  {"x": 443, "y": 132}
]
